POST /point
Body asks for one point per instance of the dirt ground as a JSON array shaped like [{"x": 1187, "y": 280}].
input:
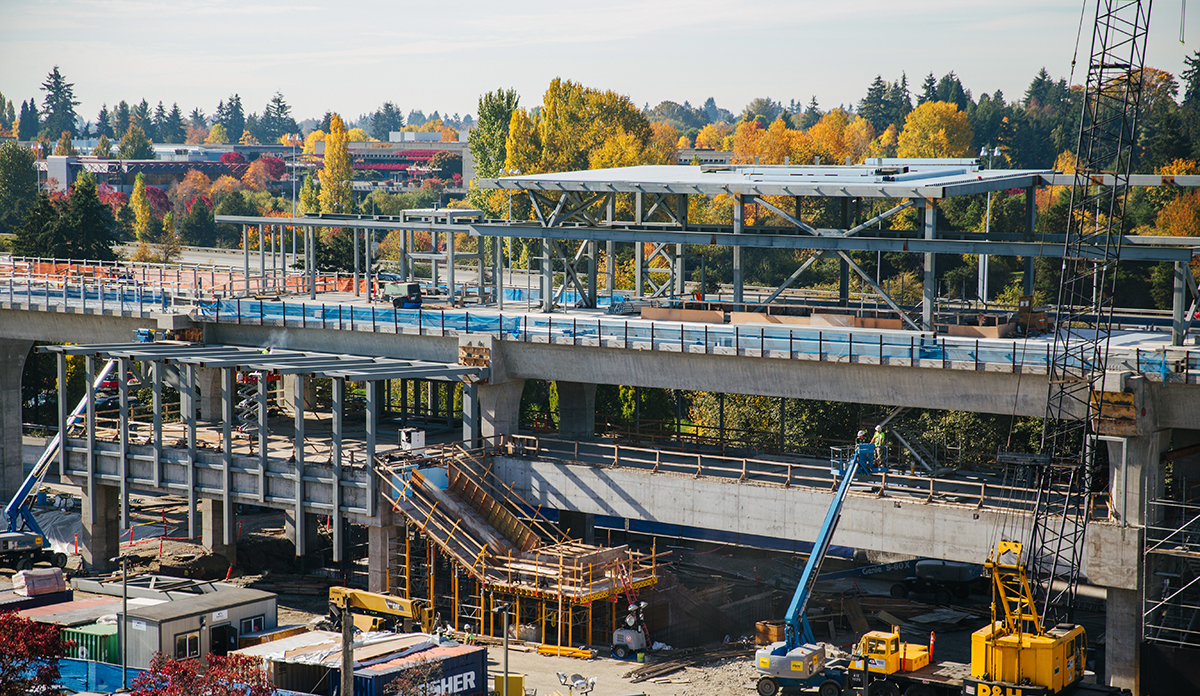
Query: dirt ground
[{"x": 731, "y": 677}]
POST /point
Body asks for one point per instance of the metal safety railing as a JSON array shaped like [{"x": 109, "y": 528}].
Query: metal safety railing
[
  {"x": 975, "y": 491},
  {"x": 106, "y": 295}
]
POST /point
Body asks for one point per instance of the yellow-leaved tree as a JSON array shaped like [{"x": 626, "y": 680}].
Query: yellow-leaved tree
[
  {"x": 310, "y": 142},
  {"x": 336, "y": 174},
  {"x": 143, "y": 223},
  {"x": 935, "y": 129},
  {"x": 574, "y": 121},
  {"x": 217, "y": 135},
  {"x": 713, "y": 135}
]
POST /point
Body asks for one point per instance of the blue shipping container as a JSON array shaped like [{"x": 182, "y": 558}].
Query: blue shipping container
[{"x": 463, "y": 672}]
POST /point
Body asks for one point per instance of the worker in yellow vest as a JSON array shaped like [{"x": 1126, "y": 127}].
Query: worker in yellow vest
[{"x": 879, "y": 440}]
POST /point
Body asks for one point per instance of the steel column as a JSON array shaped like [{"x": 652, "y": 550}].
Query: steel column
[
  {"x": 298, "y": 510},
  {"x": 228, "y": 390},
  {"x": 63, "y": 413},
  {"x": 372, "y": 409},
  {"x": 1179, "y": 324},
  {"x": 123, "y": 391},
  {"x": 339, "y": 401},
  {"x": 930, "y": 290},
  {"x": 738, "y": 220}
]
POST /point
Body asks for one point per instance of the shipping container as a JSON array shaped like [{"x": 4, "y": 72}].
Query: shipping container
[
  {"x": 461, "y": 671},
  {"x": 96, "y": 642}
]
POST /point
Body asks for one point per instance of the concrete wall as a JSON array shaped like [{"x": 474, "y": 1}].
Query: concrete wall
[{"x": 937, "y": 530}]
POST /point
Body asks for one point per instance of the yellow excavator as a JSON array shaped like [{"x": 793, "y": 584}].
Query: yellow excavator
[{"x": 371, "y": 611}]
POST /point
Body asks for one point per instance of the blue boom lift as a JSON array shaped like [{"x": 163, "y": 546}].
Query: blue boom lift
[
  {"x": 23, "y": 543},
  {"x": 797, "y": 661}
]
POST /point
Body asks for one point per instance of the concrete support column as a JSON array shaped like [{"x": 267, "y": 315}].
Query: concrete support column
[
  {"x": 312, "y": 539},
  {"x": 379, "y": 542},
  {"x": 212, "y": 530},
  {"x": 208, "y": 379},
  {"x": 499, "y": 407},
  {"x": 100, "y": 539},
  {"x": 1135, "y": 472},
  {"x": 1122, "y": 647},
  {"x": 576, "y": 410},
  {"x": 578, "y": 525},
  {"x": 470, "y": 414},
  {"x": 12, "y": 365},
  {"x": 289, "y": 394}
]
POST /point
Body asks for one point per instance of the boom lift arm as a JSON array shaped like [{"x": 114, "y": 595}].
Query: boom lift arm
[
  {"x": 20, "y": 519},
  {"x": 797, "y": 660}
]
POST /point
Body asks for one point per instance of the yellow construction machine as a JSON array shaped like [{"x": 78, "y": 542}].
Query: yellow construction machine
[
  {"x": 371, "y": 611},
  {"x": 1015, "y": 650}
]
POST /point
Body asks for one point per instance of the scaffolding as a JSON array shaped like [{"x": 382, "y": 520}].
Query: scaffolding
[
  {"x": 470, "y": 544},
  {"x": 1171, "y": 563}
]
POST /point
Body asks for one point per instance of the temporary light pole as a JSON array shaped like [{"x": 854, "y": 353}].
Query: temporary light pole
[
  {"x": 124, "y": 622},
  {"x": 982, "y": 290},
  {"x": 503, "y": 606},
  {"x": 347, "y": 650}
]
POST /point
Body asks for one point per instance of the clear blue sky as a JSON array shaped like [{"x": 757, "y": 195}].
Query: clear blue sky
[{"x": 352, "y": 56}]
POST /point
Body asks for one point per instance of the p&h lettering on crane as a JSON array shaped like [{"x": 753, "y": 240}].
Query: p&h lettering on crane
[{"x": 986, "y": 690}]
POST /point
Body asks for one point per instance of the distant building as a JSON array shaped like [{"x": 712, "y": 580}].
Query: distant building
[{"x": 705, "y": 155}]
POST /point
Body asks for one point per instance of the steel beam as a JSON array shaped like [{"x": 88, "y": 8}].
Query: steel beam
[{"x": 828, "y": 241}]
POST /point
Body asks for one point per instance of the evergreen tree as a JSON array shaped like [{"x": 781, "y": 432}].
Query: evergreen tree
[
  {"x": 323, "y": 125},
  {"x": 103, "y": 127},
  {"x": 58, "y": 107},
  {"x": 416, "y": 117},
  {"x": 230, "y": 115},
  {"x": 812, "y": 114},
  {"x": 28, "y": 124},
  {"x": 40, "y": 233},
  {"x": 235, "y": 203},
  {"x": 120, "y": 119},
  {"x": 197, "y": 227},
  {"x": 18, "y": 184},
  {"x": 160, "y": 125},
  {"x": 386, "y": 119},
  {"x": 135, "y": 145},
  {"x": 196, "y": 119},
  {"x": 87, "y": 223},
  {"x": 277, "y": 121},
  {"x": 1164, "y": 139},
  {"x": 488, "y": 141},
  {"x": 898, "y": 102},
  {"x": 1039, "y": 92},
  {"x": 140, "y": 116},
  {"x": 103, "y": 149},
  {"x": 874, "y": 107},
  {"x": 1191, "y": 78},
  {"x": 928, "y": 90},
  {"x": 173, "y": 129},
  {"x": 950, "y": 89}
]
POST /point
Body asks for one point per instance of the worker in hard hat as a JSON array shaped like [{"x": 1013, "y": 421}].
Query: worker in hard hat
[
  {"x": 879, "y": 440},
  {"x": 861, "y": 438}
]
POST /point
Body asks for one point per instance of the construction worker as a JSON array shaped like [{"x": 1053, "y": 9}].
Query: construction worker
[
  {"x": 861, "y": 438},
  {"x": 879, "y": 440}
]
